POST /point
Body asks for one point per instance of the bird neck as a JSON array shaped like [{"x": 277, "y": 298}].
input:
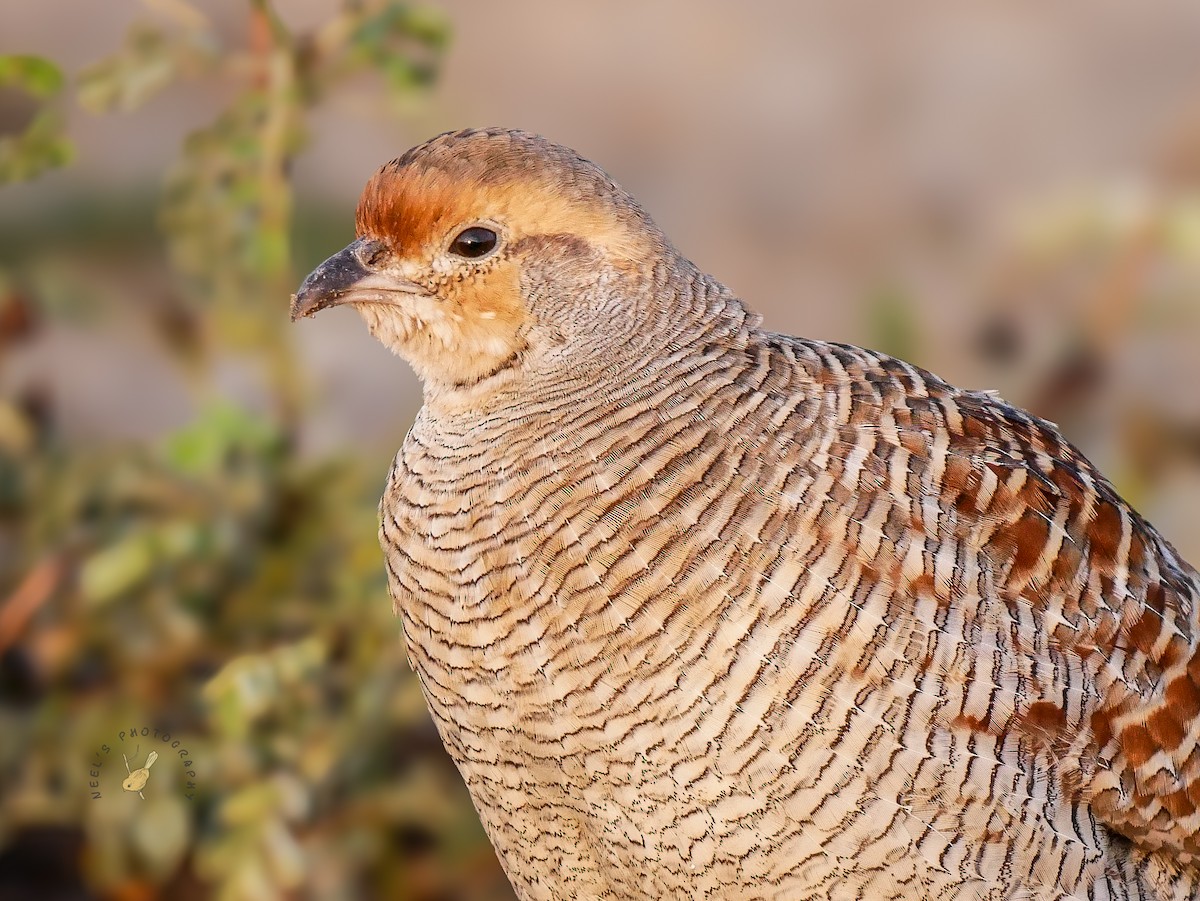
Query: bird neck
[{"x": 679, "y": 312}]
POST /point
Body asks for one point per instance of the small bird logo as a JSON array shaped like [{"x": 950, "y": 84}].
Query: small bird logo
[{"x": 137, "y": 779}]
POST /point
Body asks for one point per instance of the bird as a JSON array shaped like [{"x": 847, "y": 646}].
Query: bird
[
  {"x": 705, "y": 611},
  {"x": 138, "y": 778}
]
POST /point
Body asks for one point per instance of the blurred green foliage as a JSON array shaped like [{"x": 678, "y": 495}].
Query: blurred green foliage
[
  {"x": 41, "y": 145},
  {"x": 215, "y": 589}
]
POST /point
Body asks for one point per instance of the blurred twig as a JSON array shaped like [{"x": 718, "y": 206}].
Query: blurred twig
[
  {"x": 228, "y": 203},
  {"x": 34, "y": 590}
]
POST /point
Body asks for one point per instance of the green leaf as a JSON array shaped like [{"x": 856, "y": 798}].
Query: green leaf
[
  {"x": 147, "y": 64},
  {"x": 38, "y": 149},
  {"x": 220, "y": 432},
  {"x": 41, "y": 146},
  {"x": 36, "y": 76},
  {"x": 111, "y": 572},
  {"x": 402, "y": 41}
]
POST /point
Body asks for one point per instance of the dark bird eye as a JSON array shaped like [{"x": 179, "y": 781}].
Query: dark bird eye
[{"x": 474, "y": 242}]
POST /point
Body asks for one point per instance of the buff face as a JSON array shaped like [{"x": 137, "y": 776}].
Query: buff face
[{"x": 460, "y": 310}]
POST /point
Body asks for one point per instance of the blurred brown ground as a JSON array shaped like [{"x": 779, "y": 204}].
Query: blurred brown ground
[{"x": 1005, "y": 193}]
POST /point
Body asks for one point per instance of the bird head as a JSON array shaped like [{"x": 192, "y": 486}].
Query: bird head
[{"x": 491, "y": 251}]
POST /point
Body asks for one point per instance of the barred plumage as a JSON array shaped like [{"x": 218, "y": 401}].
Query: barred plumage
[{"x": 703, "y": 611}]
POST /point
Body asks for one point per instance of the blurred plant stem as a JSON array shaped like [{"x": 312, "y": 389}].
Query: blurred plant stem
[
  {"x": 227, "y": 208},
  {"x": 280, "y": 135}
]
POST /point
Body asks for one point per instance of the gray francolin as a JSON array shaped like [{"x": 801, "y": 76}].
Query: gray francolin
[{"x": 703, "y": 611}]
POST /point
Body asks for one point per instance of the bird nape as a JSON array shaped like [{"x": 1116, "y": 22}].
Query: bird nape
[{"x": 703, "y": 611}]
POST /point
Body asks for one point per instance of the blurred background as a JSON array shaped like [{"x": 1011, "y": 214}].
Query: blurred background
[{"x": 1005, "y": 193}]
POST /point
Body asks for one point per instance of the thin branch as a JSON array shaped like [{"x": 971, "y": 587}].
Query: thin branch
[{"x": 35, "y": 589}]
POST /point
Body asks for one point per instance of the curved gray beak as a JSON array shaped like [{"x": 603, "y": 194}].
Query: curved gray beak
[{"x": 343, "y": 278}]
